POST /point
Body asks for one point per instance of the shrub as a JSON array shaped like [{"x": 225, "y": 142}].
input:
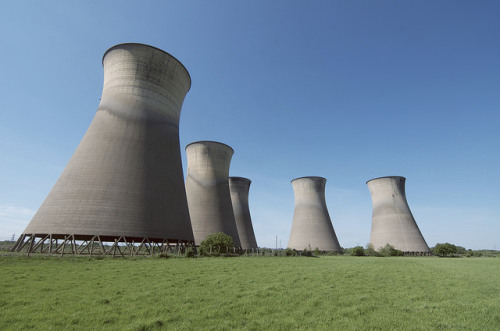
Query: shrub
[
  {"x": 307, "y": 252},
  {"x": 358, "y": 251},
  {"x": 347, "y": 251},
  {"x": 389, "y": 250},
  {"x": 216, "y": 243},
  {"x": 190, "y": 252},
  {"x": 290, "y": 252},
  {"x": 317, "y": 252},
  {"x": 370, "y": 251},
  {"x": 163, "y": 256}
]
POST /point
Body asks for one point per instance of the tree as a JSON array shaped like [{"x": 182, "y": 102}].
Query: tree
[
  {"x": 216, "y": 243},
  {"x": 461, "y": 250},
  {"x": 358, "y": 251},
  {"x": 445, "y": 249}
]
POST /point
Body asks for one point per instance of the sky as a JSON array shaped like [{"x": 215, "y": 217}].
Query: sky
[{"x": 346, "y": 90}]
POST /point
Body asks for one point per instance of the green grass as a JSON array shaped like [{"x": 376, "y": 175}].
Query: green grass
[{"x": 255, "y": 293}]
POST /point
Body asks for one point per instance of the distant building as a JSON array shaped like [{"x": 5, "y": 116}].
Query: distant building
[
  {"x": 239, "y": 188},
  {"x": 392, "y": 220},
  {"x": 207, "y": 189},
  {"x": 312, "y": 227}
]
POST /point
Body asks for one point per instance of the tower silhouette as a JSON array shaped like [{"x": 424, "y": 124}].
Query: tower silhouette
[
  {"x": 392, "y": 220},
  {"x": 239, "y": 188},
  {"x": 207, "y": 189},
  {"x": 124, "y": 183},
  {"x": 311, "y": 227}
]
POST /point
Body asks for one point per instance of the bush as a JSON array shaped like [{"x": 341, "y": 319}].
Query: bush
[
  {"x": 163, "y": 256},
  {"x": 347, "y": 251},
  {"x": 6, "y": 246},
  {"x": 370, "y": 251},
  {"x": 190, "y": 252},
  {"x": 217, "y": 243},
  {"x": 358, "y": 251},
  {"x": 290, "y": 252},
  {"x": 307, "y": 252},
  {"x": 389, "y": 250}
]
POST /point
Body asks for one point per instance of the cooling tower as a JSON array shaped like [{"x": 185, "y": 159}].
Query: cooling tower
[
  {"x": 311, "y": 226},
  {"x": 207, "y": 189},
  {"x": 392, "y": 220},
  {"x": 239, "y": 188},
  {"x": 125, "y": 180}
]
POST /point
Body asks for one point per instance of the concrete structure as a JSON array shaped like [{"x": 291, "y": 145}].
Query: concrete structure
[
  {"x": 392, "y": 220},
  {"x": 124, "y": 183},
  {"x": 312, "y": 227},
  {"x": 207, "y": 189},
  {"x": 239, "y": 188}
]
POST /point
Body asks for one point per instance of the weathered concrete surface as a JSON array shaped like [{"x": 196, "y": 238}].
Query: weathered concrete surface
[
  {"x": 392, "y": 220},
  {"x": 125, "y": 178},
  {"x": 312, "y": 227},
  {"x": 239, "y": 188},
  {"x": 207, "y": 189}
]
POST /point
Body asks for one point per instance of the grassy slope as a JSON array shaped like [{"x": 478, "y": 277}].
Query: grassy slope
[{"x": 250, "y": 293}]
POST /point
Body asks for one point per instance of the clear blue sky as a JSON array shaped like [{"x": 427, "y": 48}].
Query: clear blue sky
[{"x": 346, "y": 90}]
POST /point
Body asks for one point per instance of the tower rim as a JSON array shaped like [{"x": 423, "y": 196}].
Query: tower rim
[
  {"x": 385, "y": 177},
  {"x": 210, "y": 141},
  {"x": 309, "y": 177},
  {"x": 149, "y": 46},
  {"x": 240, "y": 179}
]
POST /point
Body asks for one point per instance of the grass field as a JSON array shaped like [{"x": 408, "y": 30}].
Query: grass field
[{"x": 255, "y": 293}]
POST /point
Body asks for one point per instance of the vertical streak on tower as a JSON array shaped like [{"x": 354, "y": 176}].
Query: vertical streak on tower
[
  {"x": 207, "y": 189},
  {"x": 392, "y": 220},
  {"x": 239, "y": 188},
  {"x": 312, "y": 227},
  {"x": 125, "y": 178}
]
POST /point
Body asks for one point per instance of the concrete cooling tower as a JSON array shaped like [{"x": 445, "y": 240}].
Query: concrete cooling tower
[
  {"x": 239, "y": 188},
  {"x": 311, "y": 227},
  {"x": 124, "y": 183},
  {"x": 207, "y": 189},
  {"x": 392, "y": 220}
]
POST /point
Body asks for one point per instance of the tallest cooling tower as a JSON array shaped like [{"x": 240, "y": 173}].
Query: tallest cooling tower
[
  {"x": 125, "y": 179},
  {"x": 392, "y": 220}
]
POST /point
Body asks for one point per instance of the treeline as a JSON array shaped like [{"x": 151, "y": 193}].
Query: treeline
[
  {"x": 450, "y": 250},
  {"x": 219, "y": 244},
  {"x": 441, "y": 250},
  {"x": 387, "y": 250}
]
